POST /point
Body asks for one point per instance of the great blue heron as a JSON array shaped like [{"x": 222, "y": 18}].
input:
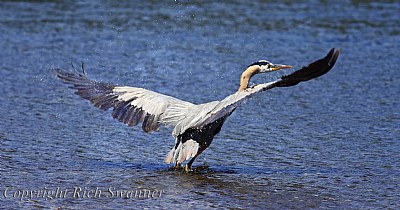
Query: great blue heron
[{"x": 195, "y": 125}]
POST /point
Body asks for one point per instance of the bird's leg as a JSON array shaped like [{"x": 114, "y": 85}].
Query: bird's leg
[
  {"x": 178, "y": 166},
  {"x": 188, "y": 166}
]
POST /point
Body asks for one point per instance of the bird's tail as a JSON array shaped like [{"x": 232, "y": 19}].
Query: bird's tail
[{"x": 183, "y": 151}]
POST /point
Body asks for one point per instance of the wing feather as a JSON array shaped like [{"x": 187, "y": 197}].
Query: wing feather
[{"x": 130, "y": 105}]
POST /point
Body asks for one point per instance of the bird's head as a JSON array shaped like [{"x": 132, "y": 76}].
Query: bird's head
[
  {"x": 261, "y": 66},
  {"x": 264, "y": 66}
]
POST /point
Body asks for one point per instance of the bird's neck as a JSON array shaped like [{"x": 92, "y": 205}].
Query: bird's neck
[{"x": 246, "y": 76}]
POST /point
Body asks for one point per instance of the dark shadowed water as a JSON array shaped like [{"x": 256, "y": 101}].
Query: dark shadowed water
[{"x": 328, "y": 143}]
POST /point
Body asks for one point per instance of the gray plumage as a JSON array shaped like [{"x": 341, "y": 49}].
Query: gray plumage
[{"x": 194, "y": 125}]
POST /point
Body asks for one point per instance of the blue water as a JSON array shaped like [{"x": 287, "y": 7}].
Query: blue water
[{"x": 328, "y": 143}]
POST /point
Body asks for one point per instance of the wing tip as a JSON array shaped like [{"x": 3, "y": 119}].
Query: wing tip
[
  {"x": 64, "y": 74},
  {"x": 333, "y": 56},
  {"x": 311, "y": 71},
  {"x": 59, "y": 72}
]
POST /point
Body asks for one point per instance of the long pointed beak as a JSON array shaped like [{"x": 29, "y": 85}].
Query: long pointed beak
[{"x": 277, "y": 67}]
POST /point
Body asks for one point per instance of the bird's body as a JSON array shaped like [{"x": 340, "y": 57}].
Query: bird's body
[{"x": 194, "y": 125}]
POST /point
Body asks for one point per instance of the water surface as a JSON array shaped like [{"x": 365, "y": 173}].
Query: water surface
[{"x": 328, "y": 143}]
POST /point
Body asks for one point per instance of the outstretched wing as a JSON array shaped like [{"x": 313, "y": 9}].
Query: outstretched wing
[
  {"x": 130, "y": 105},
  {"x": 313, "y": 70}
]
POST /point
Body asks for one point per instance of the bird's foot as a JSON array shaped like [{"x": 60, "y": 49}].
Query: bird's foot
[
  {"x": 188, "y": 168},
  {"x": 177, "y": 167}
]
